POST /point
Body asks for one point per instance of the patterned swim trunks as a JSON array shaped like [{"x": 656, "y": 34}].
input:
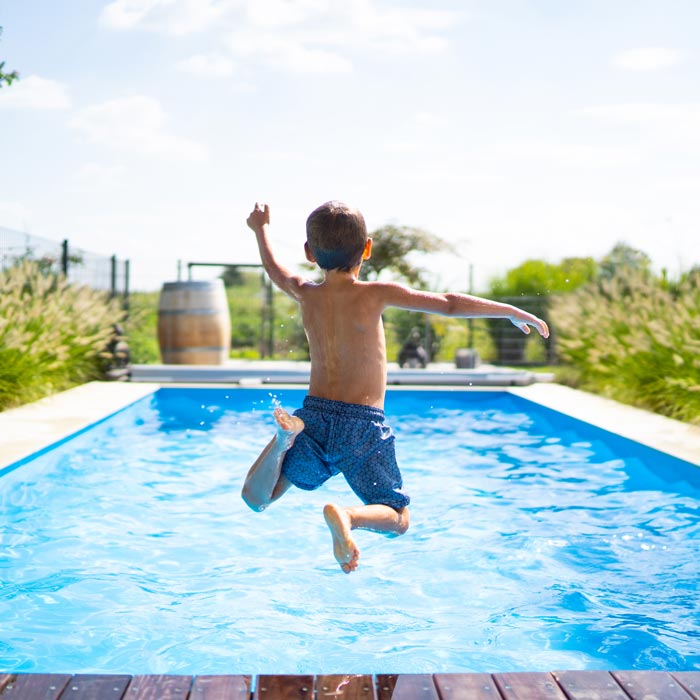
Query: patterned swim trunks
[{"x": 346, "y": 438}]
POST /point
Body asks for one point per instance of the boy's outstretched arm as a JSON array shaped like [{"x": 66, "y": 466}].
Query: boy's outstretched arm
[
  {"x": 461, "y": 305},
  {"x": 285, "y": 279}
]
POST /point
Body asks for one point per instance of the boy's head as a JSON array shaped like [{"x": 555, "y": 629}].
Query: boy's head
[{"x": 336, "y": 236}]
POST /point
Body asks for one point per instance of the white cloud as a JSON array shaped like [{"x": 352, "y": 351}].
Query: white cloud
[
  {"x": 213, "y": 65},
  {"x": 302, "y": 36},
  {"x": 397, "y": 30},
  {"x": 352, "y": 24},
  {"x": 175, "y": 17},
  {"x": 321, "y": 36},
  {"x": 137, "y": 124},
  {"x": 277, "y": 14},
  {"x": 652, "y": 58},
  {"x": 288, "y": 53},
  {"x": 34, "y": 92}
]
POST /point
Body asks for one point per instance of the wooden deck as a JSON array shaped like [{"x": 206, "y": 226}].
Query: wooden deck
[{"x": 558, "y": 685}]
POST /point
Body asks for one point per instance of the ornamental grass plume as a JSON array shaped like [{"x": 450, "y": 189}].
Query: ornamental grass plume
[
  {"x": 52, "y": 333},
  {"x": 634, "y": 339}
]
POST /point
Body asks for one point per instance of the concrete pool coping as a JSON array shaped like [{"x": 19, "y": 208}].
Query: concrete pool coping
[
  {"x": 256, "y": 372},
  {"x": 29, "y": 429}
]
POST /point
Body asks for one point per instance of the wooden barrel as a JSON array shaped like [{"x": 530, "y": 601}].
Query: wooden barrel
[{"x": 194, "y": 326}]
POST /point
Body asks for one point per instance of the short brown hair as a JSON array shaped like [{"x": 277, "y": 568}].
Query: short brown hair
[{"x": 336, "y": 235}]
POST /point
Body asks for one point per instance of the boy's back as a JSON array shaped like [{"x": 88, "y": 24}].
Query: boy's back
[
  {"x": 343, "y": 323},
  {"x": 342, "y": 316}
]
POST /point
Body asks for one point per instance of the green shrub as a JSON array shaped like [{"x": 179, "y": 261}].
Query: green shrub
[
  {"x": 141, "y": 328},
  {"x": 634, "y": 340},
  {"x": 52, "y": 334}
]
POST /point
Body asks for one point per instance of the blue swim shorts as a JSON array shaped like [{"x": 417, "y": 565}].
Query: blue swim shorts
[{"x": 346, "y": 438}]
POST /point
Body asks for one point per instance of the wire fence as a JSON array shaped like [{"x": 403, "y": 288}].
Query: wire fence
[
  {"x": 498, "y": 341},
  {"x": 512, "y": 346},
  {"x": 80, "y": 266}
]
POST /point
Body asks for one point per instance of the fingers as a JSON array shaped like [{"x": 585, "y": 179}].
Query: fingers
[
  {"x": 538, "y": 323},
  {"x": 263, "y": 209},
  {"x": 520, "y": 325},
  {"x": 259, "y": 216}
]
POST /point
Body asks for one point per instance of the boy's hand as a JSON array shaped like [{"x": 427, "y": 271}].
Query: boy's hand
[
  {"x": 259, "y": 217},
  {"x": 538, "y": 323}
]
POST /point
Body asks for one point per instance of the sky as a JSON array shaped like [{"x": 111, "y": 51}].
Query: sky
[{"x": 514, "y": 129}]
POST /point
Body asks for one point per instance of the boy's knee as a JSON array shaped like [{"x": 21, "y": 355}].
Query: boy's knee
[
  {"x": 252, "y": 503},
  {"x": 404, "y": 520}
]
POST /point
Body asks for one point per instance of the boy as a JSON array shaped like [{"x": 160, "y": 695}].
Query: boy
[{"x": 340, "y": 427}]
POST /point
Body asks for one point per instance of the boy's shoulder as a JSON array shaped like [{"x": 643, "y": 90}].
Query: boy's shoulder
[{"x": 368, "y": 289}]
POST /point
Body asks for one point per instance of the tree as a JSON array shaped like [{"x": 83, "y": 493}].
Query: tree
[
  {"x": 624, "y": 257},
  {"x": 7, "y": 77},
  {"x": 391, "y": 246},
  {"x": 540, "y": 278}
]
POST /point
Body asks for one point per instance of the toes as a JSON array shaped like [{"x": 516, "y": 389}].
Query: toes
[{"x": 352, "y": 563}]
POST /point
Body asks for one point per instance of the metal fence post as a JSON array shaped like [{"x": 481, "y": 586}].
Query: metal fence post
[
  {"x": 113, "y": 278},
  {"x": 64, "y": 257},
  {"x": 127, "y": 271},
  {"x": 271, "y": 329},
  {"x": 263, "y": 314}
]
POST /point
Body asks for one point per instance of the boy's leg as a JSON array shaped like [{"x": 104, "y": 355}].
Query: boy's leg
[
  {"x": 376, "y": 517},
  {"x": 265, "y": 482}
]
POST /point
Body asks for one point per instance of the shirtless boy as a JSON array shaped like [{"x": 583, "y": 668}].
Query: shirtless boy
[{"x": 340, "y": 427}]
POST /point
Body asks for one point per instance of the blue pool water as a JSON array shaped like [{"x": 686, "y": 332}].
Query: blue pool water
[{"x": 537, "y": 542}]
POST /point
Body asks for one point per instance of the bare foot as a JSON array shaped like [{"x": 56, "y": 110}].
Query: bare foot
[
  {"x": 288, "y": 427},
  {"x": 344, "y": 547}
]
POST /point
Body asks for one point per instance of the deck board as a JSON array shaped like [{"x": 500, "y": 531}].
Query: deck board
[
  {"x": 589, "y": 685},
  {"x": 345, "y": 687},
  {"x": 466, "y": 686},
  {"x": 528, "y": 686},
  {"x": 91, "y": 686},
  {"x": 284, "y": 688},
  {"x": 651, "y": 685},
  {"x": 690, "y": 680},
  {"x": 37, "y": 686},
  {"x": 221, "y": 688},
  {"x": 558, "y": 685},
  {"x": 407, "y": 686},
  {"x": 159, "y": 688}
]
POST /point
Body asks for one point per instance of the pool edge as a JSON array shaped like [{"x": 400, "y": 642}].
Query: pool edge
[
  {"x": 31, "y": 428},
  {"x": 672, "y": 437}
]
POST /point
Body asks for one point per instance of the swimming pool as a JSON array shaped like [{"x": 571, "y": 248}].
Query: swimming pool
[{"x": 536, "y": 542}]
